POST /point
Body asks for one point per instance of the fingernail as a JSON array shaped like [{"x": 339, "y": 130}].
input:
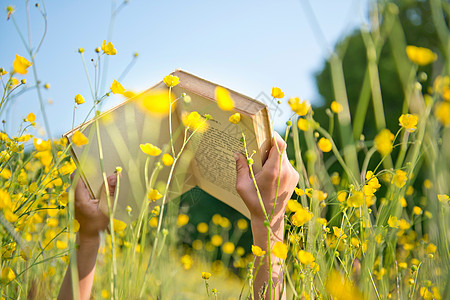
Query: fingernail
[{"x": 236, "y": 156}]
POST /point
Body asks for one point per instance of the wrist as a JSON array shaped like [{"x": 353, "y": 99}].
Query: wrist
[{"x": 88, "y": 240}]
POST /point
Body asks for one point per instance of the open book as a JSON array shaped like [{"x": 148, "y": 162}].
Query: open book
[{"x": 207, "y": 161}]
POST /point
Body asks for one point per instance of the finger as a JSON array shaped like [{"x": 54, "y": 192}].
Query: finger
[
  {"x": 103, "y": 201},
  {"x": 242, "y": 170},
  {"x": 273, "y": 161}
]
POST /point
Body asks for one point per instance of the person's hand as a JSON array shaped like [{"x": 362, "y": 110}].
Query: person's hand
[
  {"x": 87, "y": 212},
  {"x": 266, "y": 180}
]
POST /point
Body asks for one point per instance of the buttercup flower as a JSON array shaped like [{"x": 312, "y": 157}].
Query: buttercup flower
[
  {"x": 117, "y": 88},
  {"x": 301, "y": 216},
  {"x": 119, "y": 225},
  {"x": 280, "y": 250},
  {"x": 21, "y": 64},
  {"x": 336, "y": 107},
  {"x": 257, "y": 251},
  {"x": 235, "y": 118},
  {"x": 305, "y": 257},
  {"x": 325, "y": 145},
  {"x": 167, "y": 159},
  {"x": 224, "y": 100},
  {"x": 442, "y": 113},
  {"x": 154, "y": 195},
  {"x": 79, "y": 139},
  {"x": 79, "y": 99},
  {"x": 399, "y": 178},
  {"x": 171, "y": 80},
  {"x": 194, "y": 121},
  {"x": 277, "y": 93},
  {"x": 356, "y": 200},
  {"x": 300, "y": 109},
  {"x": 31, "y": 117},
  {"x": 393, "y": 222},
  {"x": 206, "y": 275},
  {"x": 108, "y": 48},
  {"x": 149, "y": 149},
  {"x": 409, "y": 122},
  {"x": 383, "y": 142},
  {"x": 303, "y": 124},
  {"x": 420, "y": 56}
]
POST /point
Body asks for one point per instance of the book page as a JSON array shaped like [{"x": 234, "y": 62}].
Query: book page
[
  {"x": 213, "y": 164},
  {"x": 122, "y": 130}
]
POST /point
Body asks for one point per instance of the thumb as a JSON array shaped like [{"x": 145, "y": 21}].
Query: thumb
[
  {"x": 103, "y": 203},
  {"x": 242, "y": 171}
]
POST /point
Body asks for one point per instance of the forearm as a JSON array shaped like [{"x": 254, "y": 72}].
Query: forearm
[
  {"x": 261, "y": 279},
  {"x": 86, "y": 259}
]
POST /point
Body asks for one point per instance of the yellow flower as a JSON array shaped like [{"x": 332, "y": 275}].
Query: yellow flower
[
  {"x": 431, "y": 248},
  {"x": 228, "y": 248},
  {"x": 325, "y": 145},
  {"x": 341, "y": 196},
  {"x": 75, "y": 225},
  {"x": 216, "y": 240},
  {"x": 280, "y": 250},
  {"x": 409, "y": 122},
  {"x": 31, "y": 117},
  {"x": 235, "y": 118},
  {"x": 156, "y": 102},
  {"x": 417, "y": 210},
  {"x": 7, "y": 275},
  {"x": 42, "y": 145},
  {"x": 118, "y": 225},
  {"x": 194, "y": 121},
  {"x": 61, "y": 245},
  {"x": 338, "y": 232},
  {"x": 79, "y": 99},
  {"x": 399, "y": 178},
  {"x": 182, "y": 220},
  {"x": 443, "y": 198},
  {"x": 301, "y": 216},
  {"x": 206, "y": 275},
  {"x": 10, "y": 10},
  {"x": 108, "y": 48},
  {"x": 303, "y": 124},
  {"x": 393, "y": 222},
  {"x": 149, "y": 149},
  {"x": 403, "y": 224},
  {"x": 202, "y": 227},
  {"x": 242, "y": 224},
  {"x": 117, "y": 88},
  {"x": 167, "y": 159},
  {"x": 9, "y": 215},
  {"x": 372, "y": 181},
  {"x": 21, "y": 64},
  {"x": 305, "y": 257},
  {"x": 257, "y": 251},
  {"x": 442, "y": 113},
  {"x": 224, "y": 100},
  {"x": 420, "y": 56},
  {"x": 171, "y": 80},
  {"x": 186, "y": 261},
  {"x": 300, "y": 109},
  {"x": 277, "y": 93},
  {"x": 383, "y": 142},
  {"x": 79, "y": 139},
  {"x": 403, "y": 202},
  {"x": 339, "y": 287},
  {"x": 154, "y": 195},
  {"x": 356, "y": 200},
  {"x": 105, "y": 294},
  {"x": 336, "y": 107}
]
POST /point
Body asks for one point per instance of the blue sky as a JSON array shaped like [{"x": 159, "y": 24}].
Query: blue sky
[{"x": 247, "y": 46}]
